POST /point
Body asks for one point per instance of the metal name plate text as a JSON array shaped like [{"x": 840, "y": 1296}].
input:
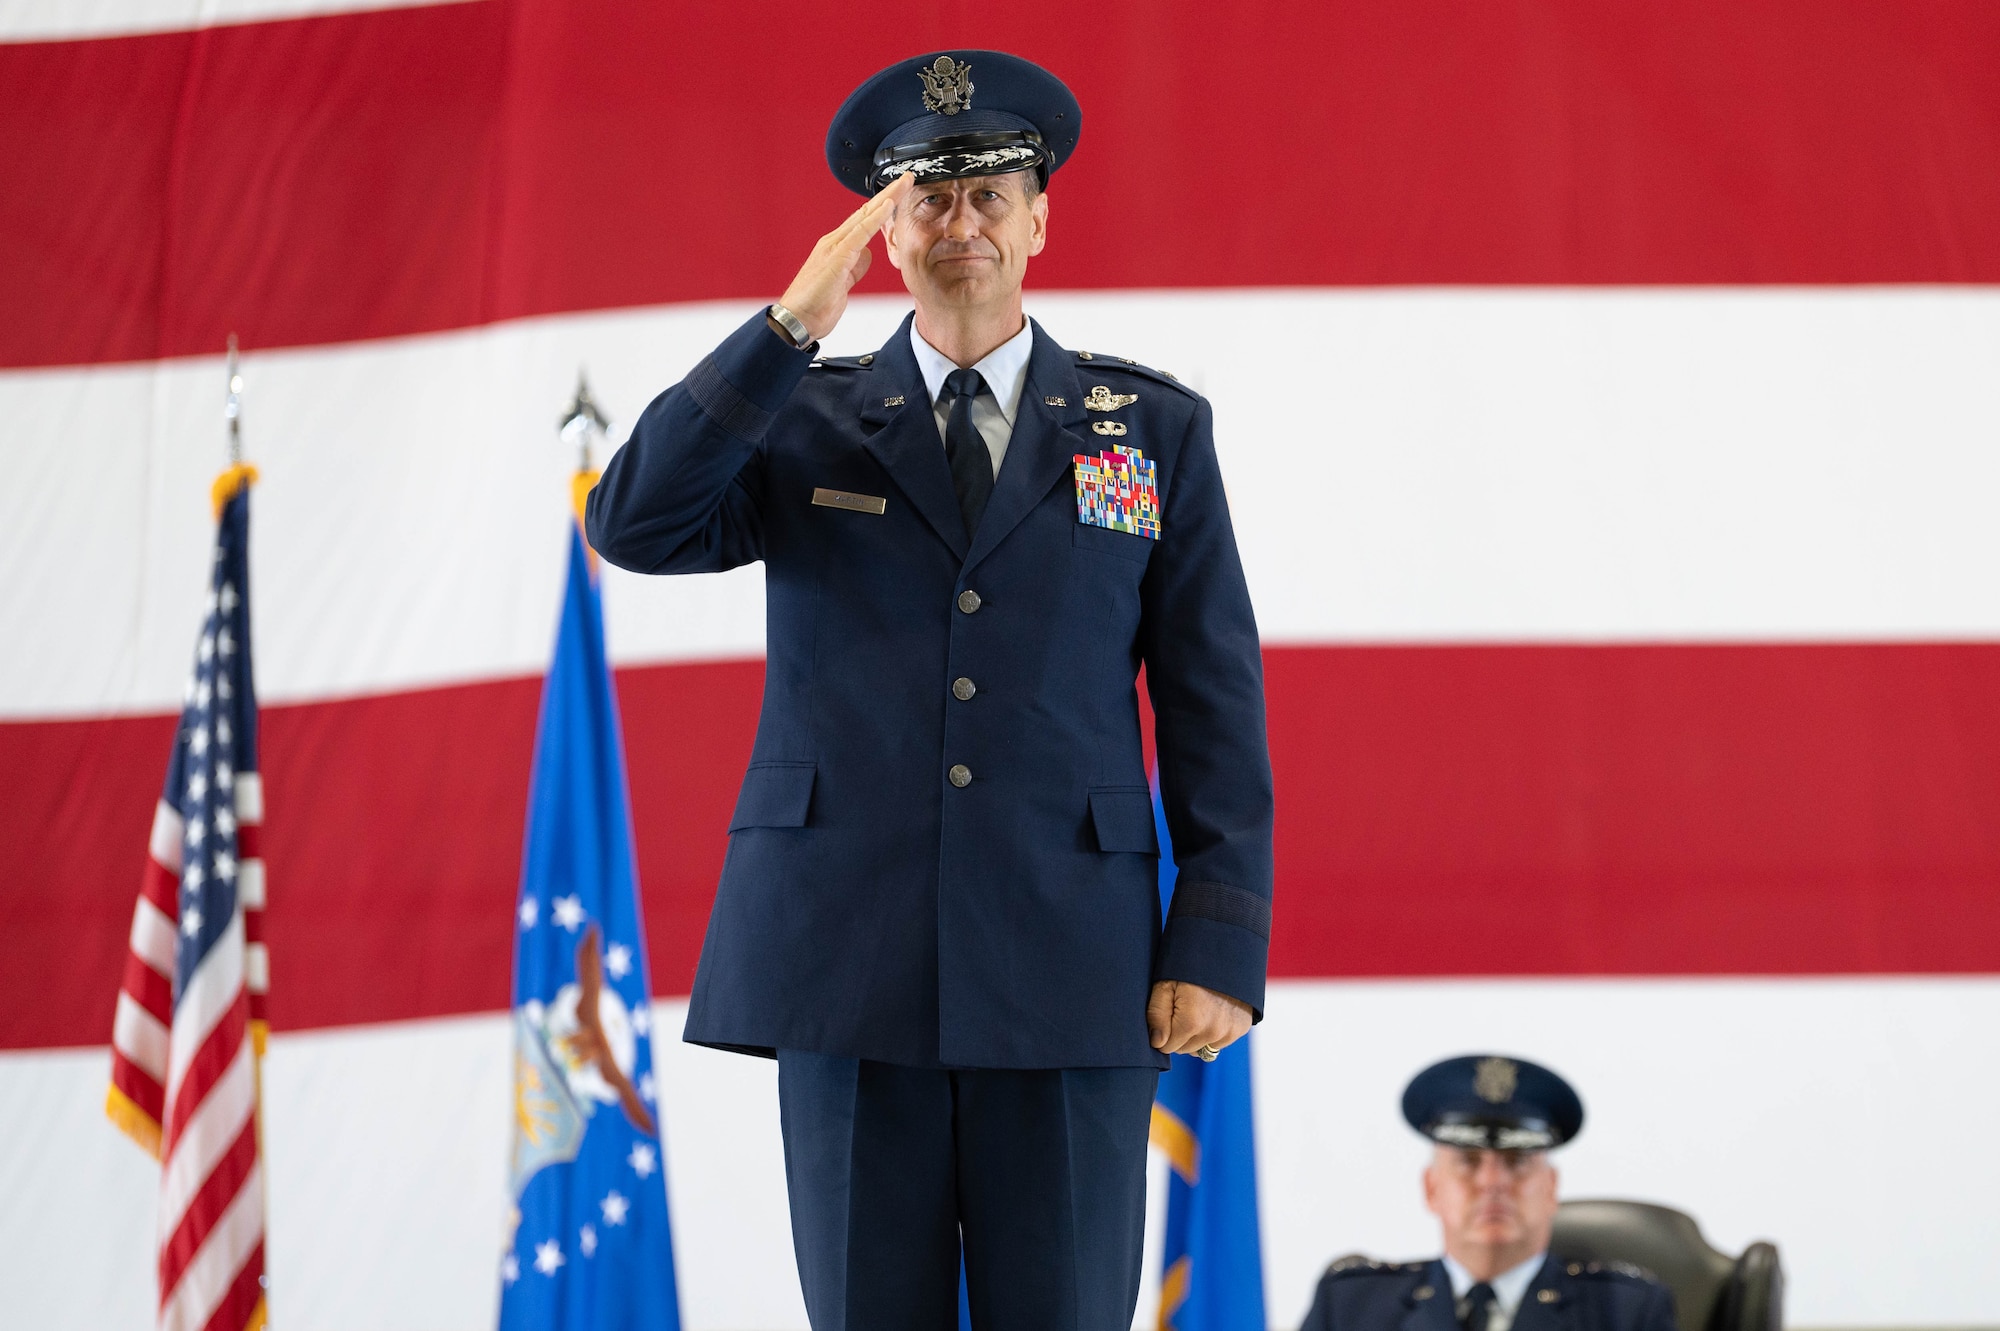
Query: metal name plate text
[{"x": 855, "y": 503}]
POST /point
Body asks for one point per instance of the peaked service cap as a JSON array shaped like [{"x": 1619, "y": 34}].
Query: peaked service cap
[
  {"x": 953, "y": 114},
  {"x": 1492, "y": 1102}
]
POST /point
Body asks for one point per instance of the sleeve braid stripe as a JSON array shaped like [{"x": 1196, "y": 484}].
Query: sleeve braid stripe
[
  {"x": 1224, "y": 904},
  {"x": 725, "y": 406}
]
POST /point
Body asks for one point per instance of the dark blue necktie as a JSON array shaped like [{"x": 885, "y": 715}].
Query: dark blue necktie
[
  {"x": 1478, "y": 1307},
  {"x": 971, "y": 464}
]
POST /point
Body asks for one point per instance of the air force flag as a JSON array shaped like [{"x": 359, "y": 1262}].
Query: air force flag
[
  {"x": 1212, "y": 1265},
  {"x": 589, "y": 1245}
]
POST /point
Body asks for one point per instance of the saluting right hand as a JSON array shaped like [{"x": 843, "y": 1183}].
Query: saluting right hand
[{"x": 818, "y": 295}]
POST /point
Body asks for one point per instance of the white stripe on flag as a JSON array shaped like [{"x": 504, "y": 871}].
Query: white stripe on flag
[
  {"x": 1749, "y": 464},
  {"x": 67, "y": 20},
  {"x": 250, "y": 883},
  {"x": 164, "y": 845},
  {"x": 256, "y": 968},
  {"x": 153, "y": 938},
  {"x": 210, "y": 992},
  {"x": 208, "y": 1277},
  {"x": 229, "y": 1105},
  {"x": 250, "y": 798},
  {"x": 138, "y": 1034}
]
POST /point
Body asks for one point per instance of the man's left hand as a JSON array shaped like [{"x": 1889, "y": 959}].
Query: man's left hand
[{"x": 1183, "y": 1017}]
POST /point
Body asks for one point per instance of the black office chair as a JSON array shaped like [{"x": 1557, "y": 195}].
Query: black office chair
[{"x": 1712, "y": 1290}]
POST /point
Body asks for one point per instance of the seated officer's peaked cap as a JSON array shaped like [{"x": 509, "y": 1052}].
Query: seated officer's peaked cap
[
  {"x": 1495, "y": 1103},
  {"x": 953, "y": 114}
]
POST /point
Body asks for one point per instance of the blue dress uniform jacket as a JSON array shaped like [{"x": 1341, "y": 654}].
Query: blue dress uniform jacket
[
  {"x": 1359, "y": 1295},
  {"x": 870, "y": 906}
]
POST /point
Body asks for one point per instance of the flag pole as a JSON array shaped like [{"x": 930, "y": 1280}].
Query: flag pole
[
  {"x": 239, "y": 476},
  {"x": 204, "y": 850},
  {"x": 232, "y": 410},
  {"x": 579, "y": 976},
  {"x": 581, "y": 421},
  {"x": 239, "y": 473}
]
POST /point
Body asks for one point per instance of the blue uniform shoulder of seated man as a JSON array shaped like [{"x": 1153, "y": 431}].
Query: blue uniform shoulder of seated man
[
  {"x": 869, "y": 906},
  {"x": 1359, "y": 1295}
]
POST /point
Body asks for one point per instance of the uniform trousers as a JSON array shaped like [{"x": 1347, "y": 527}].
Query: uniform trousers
[{"x": 1037, "y": 1177}]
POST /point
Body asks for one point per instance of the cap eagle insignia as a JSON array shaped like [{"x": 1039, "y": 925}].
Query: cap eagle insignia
[
  {"x": 1494, "y": 1080},
  {"x": 947, "y": 86}
]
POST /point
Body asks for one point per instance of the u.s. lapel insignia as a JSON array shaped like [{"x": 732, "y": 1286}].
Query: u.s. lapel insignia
[
  {"x": 1119, "y": 490},
  {"x": 947, "y": 86},
  {"x": 1055, "y": 402},
  {"x": 1107, "y": 427},
  {"x": 895, "y": 401},
  {"x": 1102, "y": 398}
]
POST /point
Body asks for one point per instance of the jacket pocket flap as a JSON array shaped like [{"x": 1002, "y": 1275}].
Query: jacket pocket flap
[
  {"x": 1103, "y": 540},
  {"x": 1123, "y": 816},
  {"x": 774, "y": 795}
]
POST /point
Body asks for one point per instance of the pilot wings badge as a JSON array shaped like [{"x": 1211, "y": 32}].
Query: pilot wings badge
[
  {"x": 947, "y": 86},
  {"x": 1102, "y": 398}
]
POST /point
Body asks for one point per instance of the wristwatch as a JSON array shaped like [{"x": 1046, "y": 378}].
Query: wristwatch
[{"x": 794, "y": 326}]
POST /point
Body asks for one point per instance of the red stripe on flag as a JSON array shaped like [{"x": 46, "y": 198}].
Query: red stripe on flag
[
  {"x": 1636, "y": 810},
  {"x": 77, "y": 800},
  {"x": 206, "y": 1067},
  {"x": 150, "y": 989},
  {"x": 246, "y": 1294},
  {"x": 138, "y": 1086},
  {"x": 213, "y": 1198},
  {"x": 161, "y": 886},
  {"x": 383, "y": 173},
  {"x": 1448, "y": 810}
]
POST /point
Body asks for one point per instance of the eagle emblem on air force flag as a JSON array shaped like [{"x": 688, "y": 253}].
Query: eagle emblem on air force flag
[{"x": 570, "y": 1056}]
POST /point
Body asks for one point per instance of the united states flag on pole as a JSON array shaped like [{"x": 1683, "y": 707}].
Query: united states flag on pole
[{"x": 190, "y": 1023}]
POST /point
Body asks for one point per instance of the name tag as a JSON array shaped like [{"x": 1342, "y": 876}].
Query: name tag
[{"x": 854, "y": 503}]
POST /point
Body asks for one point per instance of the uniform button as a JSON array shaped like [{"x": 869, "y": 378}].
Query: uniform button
[
  {"x": 961, "y": 776},
  {"x": 963, "y": 689},
  {"x": 968, "y": 600}
]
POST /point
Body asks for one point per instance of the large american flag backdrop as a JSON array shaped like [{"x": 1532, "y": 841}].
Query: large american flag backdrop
[{"x": 1606, "y": 398}]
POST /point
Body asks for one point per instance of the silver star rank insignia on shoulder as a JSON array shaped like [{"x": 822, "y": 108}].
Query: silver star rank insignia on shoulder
[{"x": 1102, "y": 398}]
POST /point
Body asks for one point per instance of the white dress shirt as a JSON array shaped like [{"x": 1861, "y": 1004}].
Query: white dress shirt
[
  {"x": 1509, "y": 1288},
  {"x": 1005, "y": 371}
]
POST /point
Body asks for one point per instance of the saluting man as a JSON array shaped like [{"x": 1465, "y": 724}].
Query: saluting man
[
  {"x": 1493, "y": 1190},
  {"x": 940, "y": 909}
]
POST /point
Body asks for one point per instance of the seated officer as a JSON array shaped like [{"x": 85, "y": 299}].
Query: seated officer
[{"x": 1493, "y": 1190}]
